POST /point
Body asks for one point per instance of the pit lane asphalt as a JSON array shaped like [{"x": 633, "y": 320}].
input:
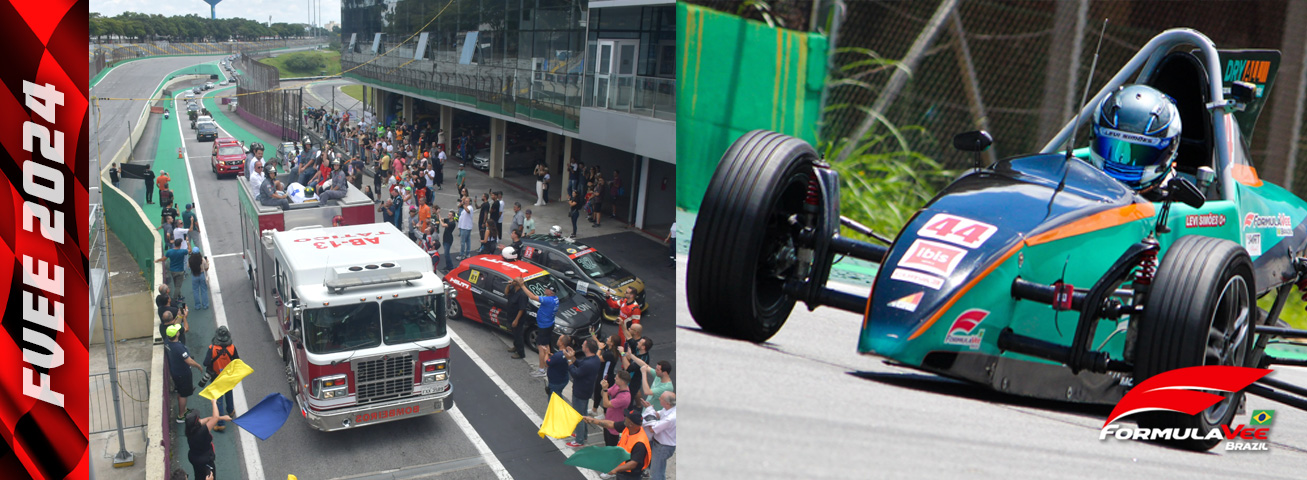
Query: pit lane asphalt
[{"x": 807, "y": 405}]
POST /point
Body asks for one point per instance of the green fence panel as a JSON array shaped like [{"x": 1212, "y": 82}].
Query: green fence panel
[
  {"x": 133, "y": 230},
  {"x": 738, "y": 75}
]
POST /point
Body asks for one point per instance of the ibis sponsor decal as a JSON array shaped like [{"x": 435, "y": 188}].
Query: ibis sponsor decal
[{"x": 932, "y": 257}]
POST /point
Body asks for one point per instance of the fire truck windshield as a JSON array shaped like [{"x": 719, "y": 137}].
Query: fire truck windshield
[
  {"x": 413, "y": 319},
  {"x": 342, "y": 328}
]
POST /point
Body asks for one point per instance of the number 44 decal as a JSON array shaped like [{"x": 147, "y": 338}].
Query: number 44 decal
[{"x": 957, "y": 230}]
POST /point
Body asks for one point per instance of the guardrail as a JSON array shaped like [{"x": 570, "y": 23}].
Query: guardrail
[{"x": 133, "y": 395}]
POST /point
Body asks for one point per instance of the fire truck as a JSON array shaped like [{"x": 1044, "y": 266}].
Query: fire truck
[{"x": 357, "y": 314}]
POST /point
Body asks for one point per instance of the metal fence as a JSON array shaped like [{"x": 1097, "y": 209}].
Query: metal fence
[
  {"x": 134, "y": 387},
  {"x": 1018, "y": 67},
  {"x": 261, "y": 101}
]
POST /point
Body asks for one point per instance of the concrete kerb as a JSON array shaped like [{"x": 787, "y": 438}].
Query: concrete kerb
[{"x": 156, "y": 451}]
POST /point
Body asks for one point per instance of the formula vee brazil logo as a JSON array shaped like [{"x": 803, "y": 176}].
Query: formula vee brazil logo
[{"x": 1187, "y": 391}]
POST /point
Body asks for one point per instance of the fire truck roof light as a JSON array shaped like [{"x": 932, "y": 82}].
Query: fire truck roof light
[{"x": 340, "y": 284}]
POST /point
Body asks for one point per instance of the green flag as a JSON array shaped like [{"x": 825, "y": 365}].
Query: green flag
[{"x": 602, "y": 459}]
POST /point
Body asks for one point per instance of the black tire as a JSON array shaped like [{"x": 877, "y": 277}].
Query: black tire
[
  {"x": 1200, "y": 312},
  {"x": 452, "y": 311},
  {"x": 732, "y": 288},
  {"x": 529, "y": 337}
]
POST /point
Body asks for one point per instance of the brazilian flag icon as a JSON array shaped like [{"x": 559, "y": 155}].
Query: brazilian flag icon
[{"x": 1263, "y": 417}]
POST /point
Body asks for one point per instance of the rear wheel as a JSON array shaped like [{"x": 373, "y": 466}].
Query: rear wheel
[
  {"x": 453, "y": 311},
  {"x": 1200, "y": 312},
  {"x": 744, "y": 248}
]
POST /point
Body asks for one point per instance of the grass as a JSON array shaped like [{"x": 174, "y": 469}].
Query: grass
[
  {"x": 355, "y": 91},
  {"x": 1295, "y": 310},
  {"x": 330, "y": 59}
]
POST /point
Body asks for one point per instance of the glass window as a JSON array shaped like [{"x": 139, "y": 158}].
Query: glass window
[
  {"x": 537, "y": 286},
  {"x": 596, "y": 265},
  {"x": 413, "y": 319},
  {"x": 342, "y": 328},
  {"x": 231, "y": 150}
]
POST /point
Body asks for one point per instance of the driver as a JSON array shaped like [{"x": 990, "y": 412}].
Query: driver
[{"x": 1136, "y": 133}]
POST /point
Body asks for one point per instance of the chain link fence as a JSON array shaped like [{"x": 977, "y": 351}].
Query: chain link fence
[{"x": 1018, "y": 68}]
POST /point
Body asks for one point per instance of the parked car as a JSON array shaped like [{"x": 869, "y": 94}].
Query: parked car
[
  {"x": 516, "y": 158},
  {"x": 228, "y": 156},
  {"x": 478, "y": 292},
  {"x": 208, "y": 85},
  {"x": 584, "y": 269}
]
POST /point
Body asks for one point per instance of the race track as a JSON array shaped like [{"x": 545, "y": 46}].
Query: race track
[{"x": 807, "y": 405}]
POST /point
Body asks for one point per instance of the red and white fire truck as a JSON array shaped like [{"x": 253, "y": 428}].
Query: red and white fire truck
[{"x": 357, "y": 313}]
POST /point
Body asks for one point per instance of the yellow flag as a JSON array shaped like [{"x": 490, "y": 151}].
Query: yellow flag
[
  {"x": 227, "y": 380},
  {"x": 560, "y": 418}
]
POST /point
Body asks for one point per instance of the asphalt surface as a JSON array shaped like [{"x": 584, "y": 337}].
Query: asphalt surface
[
  {"x": 821, "y": 410},
  {"x": 426, "y": 447}
]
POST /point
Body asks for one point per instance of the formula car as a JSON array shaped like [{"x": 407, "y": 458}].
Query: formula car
[{"x": 1039, "y": 275}]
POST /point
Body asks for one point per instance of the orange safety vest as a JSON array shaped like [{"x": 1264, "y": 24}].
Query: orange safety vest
[
  {"x": 221, "y": 356},
  {"x": 628, "y": 441},
  {"x": 627, "y": 312}
]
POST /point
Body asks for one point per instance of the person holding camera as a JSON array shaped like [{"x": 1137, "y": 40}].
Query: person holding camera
[
  {"x": 219, "y": 354},
  {"x": 179, "y": 367}
]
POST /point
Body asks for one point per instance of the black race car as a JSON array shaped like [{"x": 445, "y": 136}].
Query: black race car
[
  {"x": 478, "y": 292},
  {"x": 584, "y": 269}
]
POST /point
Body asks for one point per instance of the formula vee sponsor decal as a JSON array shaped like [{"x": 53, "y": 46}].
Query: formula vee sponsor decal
[
  {"x": 909, "y": 302},
  {"x": 1282, "y": 224},
  {"x": 932, "y": 257},
  {"x": 966, "y": 330},
  {"x": 918, "y": 278},
  {"x": 1188, "y": 391},
  {"x": 954, "y": 229},
  {"x": 1208, "y": 220}
]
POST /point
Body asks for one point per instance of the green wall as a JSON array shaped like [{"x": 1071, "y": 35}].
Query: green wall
[{"x": 738, "y": 75}]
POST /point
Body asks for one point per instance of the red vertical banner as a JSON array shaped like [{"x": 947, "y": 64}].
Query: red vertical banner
[{"x": 43, "y": 348}]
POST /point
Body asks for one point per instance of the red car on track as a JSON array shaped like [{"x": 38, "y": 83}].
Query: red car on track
[{"x": 228, "y": 156}]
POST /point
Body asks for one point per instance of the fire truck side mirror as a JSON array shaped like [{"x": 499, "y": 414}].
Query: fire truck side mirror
[{"x": 294, "y": 334}]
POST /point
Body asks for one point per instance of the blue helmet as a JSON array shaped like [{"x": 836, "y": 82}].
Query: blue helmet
[{"x": 1136, "y": 133}]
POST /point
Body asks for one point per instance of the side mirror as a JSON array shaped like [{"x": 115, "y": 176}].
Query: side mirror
[
  {"x": 976, "y": 141},
  {"x": 1181, "y": 190},
  {"x": 1242, "y": 93}
]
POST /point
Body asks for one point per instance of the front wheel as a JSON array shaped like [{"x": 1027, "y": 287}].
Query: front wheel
[
  {"x": 745, "y": 246},
  {"x": 453, "y": 312},
  {"x": 1200, "y": 312}
]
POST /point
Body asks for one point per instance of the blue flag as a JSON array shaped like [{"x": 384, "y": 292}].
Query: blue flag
[{"x": 267, "y": 417}]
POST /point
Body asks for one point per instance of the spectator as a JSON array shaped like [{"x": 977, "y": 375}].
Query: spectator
[
  {"x": 608, "y": 357},
  {"x": 180, "y": 233},
  {"x": 424, "y": 216},
  {"x": 545, "y": 189},
  {"x": 575, "y": 210},
  {"x": 540, "y": 183},
  {"x": 519, "y": 218},
  {"x": 483, "y": 216},
  {"x": 148, "y": 176},
  {"x": 573, "y": 176},
  {"x": 465, "y": 232},
  {"x": 176, "y": 257},
  {"x": 431, "y": 242},
  {"x": 166, "y": 228},
  {"x": 654, "y": 381},
  {"x": 517, "y": 310},
  {"x": 271, "y": 194},
  {"x": 528, "y": 224},
  {"x": 557, "y": 375},
  {"x": 189, "y": 220},
  {"x": 199, "y": 439},
  {"x": 639, "y": 345},
  {"x": 597, "y": 202},
  {"x": 367, "y": 190},
  {"x": 544, "y": 320},
  {"x": 634, "y": 441},
  {"x": 162, "y": 183},
  {"x": 450, "y": 224},
  {"x": 179, "y": 366},
  {"x": 491, "y": 242},
  {"x": 220, "y": 353},
  {"x": 616, "y": 400},
  {"x": 663, "y": 428},
  {"x": 628, "y": 313},
  {"x": 516, "y": 238},
  {"x": 256, "y": 181},
  {"x": 113, "y": 174},
  {"x": 615, "y": 190},
  {"x": 356, "y": 172},
  {"x": 584, "y": 371},
  {"x": 441, "y": 158},
  {"x": 168, "y": 210},
  {"x": 460, "y": 179},
  {"x": 199, "y": 281},
  {"x": 497, "y": 214}
]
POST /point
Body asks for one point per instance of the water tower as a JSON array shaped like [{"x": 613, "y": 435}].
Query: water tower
[{"x": 213, "y": 8}]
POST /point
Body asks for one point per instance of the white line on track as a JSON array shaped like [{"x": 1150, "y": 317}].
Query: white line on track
[
  {"x": 480, "y": 444},
  {"x": 249, "y": 450},
  {"x": 225, "y": 254},
  {"x": 517, "y": 400}
]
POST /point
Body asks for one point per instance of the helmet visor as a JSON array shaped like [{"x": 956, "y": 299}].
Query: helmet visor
[{"x": 1131, "y": 149}]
